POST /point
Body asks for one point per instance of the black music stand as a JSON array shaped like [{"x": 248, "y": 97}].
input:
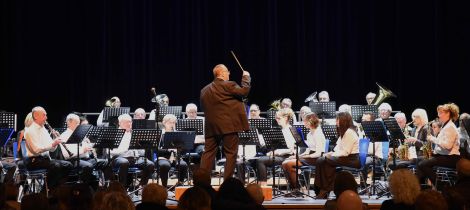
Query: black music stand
[
  {"x": 358, "y": 110},
  {"x": 5, "y": 136},
  {"x": 271, "y": 116},
  {"x": 330, "y": 133},
  {"x": 375, "y": 131},
  {"x": 249, "y": 137},
  {"x": 179, "y": 140},
  {"x": 299, "y": 142},
  {"x": 324, "y": 110},
  {"x": 8, "y": 120},
  {"x": 111, "y": 114},
  {"x": 164, "y": 110},
  {"x": 109, "y": 138},
  {"x": 396, "y": 136},
  {"x": 76, "y": 138},
  {"x": 304, "y": 129},
  {"x": 143, "y": 124},
  {"x": 145, "y": 139},
  {"x": 274, "y": 139},
  {"x": 260, "y": 123},
  {"x": 196, "y": 125}
]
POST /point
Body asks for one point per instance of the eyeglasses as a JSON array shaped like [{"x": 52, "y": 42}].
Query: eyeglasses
[{"x": 254, "y": 110}]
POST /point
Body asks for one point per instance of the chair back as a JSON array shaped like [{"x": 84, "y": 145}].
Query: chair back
[
  {"x": 327, "y": 145},
  {"x": 24, "y": 153},
  {"x": 15, "y": 151},
  {"x": 363, "y": 150},
  {"x": 385, "y": 147}
]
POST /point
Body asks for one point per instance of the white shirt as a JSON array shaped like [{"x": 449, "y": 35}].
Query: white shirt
[
  {"x": 290, "y": 142},
  {"x": 123, "y": 149},
  {"x": 72, "y": 147},
  {"x": 378, "y": 149},
  {"x": 447, "y": 141},
  {"x": 316, "y": 142},
  {"x": 347, "y": 145},
  {"x": 38, "y": 141}
]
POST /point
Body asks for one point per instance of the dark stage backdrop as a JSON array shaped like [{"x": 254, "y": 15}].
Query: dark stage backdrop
[{"x": 73, "y": 55}]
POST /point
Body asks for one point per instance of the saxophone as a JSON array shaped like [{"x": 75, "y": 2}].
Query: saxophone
[
  {"x": 427, "y": 147},
  {"x": 403, "y": 149}
]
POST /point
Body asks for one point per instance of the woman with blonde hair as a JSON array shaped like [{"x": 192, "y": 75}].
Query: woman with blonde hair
[
  {"x": 405, "y": 188},
  {"x": 446, "y": 151}
]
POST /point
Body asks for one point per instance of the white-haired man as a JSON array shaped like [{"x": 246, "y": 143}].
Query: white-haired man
[
  {"x": 324, "y": 96},
  {"x": 370, "y": 97},
  {"x": 38, "y": 145},
  {"x": 125, "y": 158},
  {"x": 384, "y": 111},
  {"x": 139, "y": 114}
]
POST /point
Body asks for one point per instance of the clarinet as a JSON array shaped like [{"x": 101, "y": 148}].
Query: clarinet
[{"x": 55, "y": 135}]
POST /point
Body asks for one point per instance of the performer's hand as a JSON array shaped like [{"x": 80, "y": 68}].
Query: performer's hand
[
  {"x": 56, "y": 142},
  {"x": 410, "y": 140},
  {"x": 245, "y": 73}
]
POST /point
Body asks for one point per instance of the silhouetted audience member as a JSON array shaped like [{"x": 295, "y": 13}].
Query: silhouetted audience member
[
  {"x": 430, "y": 200},
  {"x": 349, "y": 200},
  {"x": 194, "y": 198},
  {"x": 233, "y": 195},
  {"x": 153, "y": 197},
  {"x": 256, "y": 193},
  {"x": 117, "y": 201},
  {"x": 202, "y": 179},
  {"x": 344, "y": 181},
  {"x": 404, "y": 187},
  {"x": 35, "y": 202},
  {"x": 98, "y": 198},
  {"x": 461, "y": 189},
  {"x": 8, "y": 193}
]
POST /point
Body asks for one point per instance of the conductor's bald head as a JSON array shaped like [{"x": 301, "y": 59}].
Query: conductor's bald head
[{"x": 220, "y": 71}]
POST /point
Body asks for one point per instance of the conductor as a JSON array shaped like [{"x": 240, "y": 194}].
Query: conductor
[{"x": 225, "y": 116}]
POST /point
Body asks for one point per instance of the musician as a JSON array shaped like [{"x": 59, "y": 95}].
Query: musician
[
  {"x": 162, "y": 100},
  {"x": 370, "y": 97},
  {"x": 225, "y": 117},
  {"x": 139, "y": 114},
  {"x": 191, "y": 113},
  {"x": 415, "y": 141},
  {"x": 344, "y": 108},
  {"x": 304, "y": 110},
  {"x": 283, "y": 118},
  {"x": 401, "y": 120},
  {"x": 324, "y": 96},
  {"x": 114, "y": 102},
  {"x": 447, "y": 142},
  {"x": 123, "y": 158},
  {"x": 379, "y": 159},
  {"x": 38, "y": 145},
  {"x": 316, "y": 147},
  {"x": 384, "y": 111},
  {"x": 464, "y": 138},
  {"x": 165, "y": 157},
  {"x": 255, "y": 112},
  {"x": 346, "y": 153},
  {"x": 87, "y": 163}
]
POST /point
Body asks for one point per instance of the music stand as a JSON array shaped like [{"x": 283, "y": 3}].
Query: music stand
[
  {"x": 145, "y": 138},
  {"x": 109, "y": 138},
  {"x": 324, "y": 110},
  {"x": 196, "y": 125},
  {"x": 304, "y": 129},
  {"x": 76, "y": 138},
  {"x": 358, "y": 110},
  {"x": 8, "y": 120},
  {"x": 330, "y": 133},
  {"x": 110, "y": 114},
  {"x": 396, "y": 136},
  {"x": 260, "y": 123},
  {"x": 164, "y": 110},
  {"x": 274, "y": 139},
  {"x": 143, "y": 124},
  {"x": 271, "y": 116},
  {"x": 249, "y": 137},
  {"x": 375, "y": 131},
  {"x": 179, "y": 140}
]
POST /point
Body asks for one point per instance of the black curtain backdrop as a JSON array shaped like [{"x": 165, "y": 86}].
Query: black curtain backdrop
[{"x": 74, "y": 55}]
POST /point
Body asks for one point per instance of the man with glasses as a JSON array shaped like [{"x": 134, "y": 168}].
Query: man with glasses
[{"x": 255, "y": 111}]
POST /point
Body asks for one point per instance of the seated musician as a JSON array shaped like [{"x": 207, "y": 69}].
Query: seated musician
[
  {"x": 346, "y": 153},
  {"x": 166, "y": 157},
  {"x": 316, "y": 147},
  {"x": 87, "y": 161},
  {"x": 287, "y": 103},
  {"x": 139, "y": 114},
  {"x": 191, "y": 113},
  {"x": 385, "y": 110},
  {"x": 38, "y": 145},
  {"x": 323, "y": 96},
  {"x": 114, "y": 102},
  {"x": 370, "y": 97},
  {"x": 123, "y": 158},
  {"x": 414, "y": 142},
  {"x": 446, "y": 151},
  {"x": 283, "y": 117},
  {"x": 255, "y": 112},
  {"x": 302, "y": 112}
]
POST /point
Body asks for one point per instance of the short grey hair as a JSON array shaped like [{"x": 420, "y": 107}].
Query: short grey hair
[
  {"x": 124, "y": 117},
  {"x": 385, "y": 106},
  {"x": 168, "y": 117},
  {"x": 191, "y": 106},
  {"x": 72, "y": 117}
]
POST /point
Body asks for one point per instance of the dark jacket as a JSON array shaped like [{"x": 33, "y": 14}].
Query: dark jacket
[{"x": 223, "y": 107}]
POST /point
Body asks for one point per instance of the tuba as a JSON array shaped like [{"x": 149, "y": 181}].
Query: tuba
[
  {"x": 275, "y": 105},
  {"x": 384, "y": 93},
  {"x": 312, "y": 97}
]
